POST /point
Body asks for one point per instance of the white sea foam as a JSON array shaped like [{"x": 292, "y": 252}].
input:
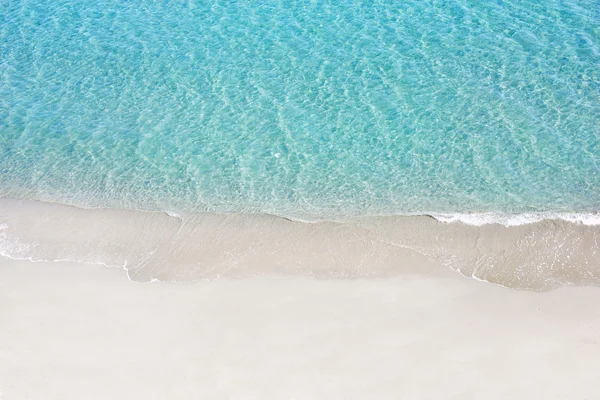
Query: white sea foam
[
  {"x": 480, "y": 219},
  {"x": 173, "y": 214}
]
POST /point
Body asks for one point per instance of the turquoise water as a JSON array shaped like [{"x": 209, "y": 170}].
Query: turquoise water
[{"x": 302, "y": 108}]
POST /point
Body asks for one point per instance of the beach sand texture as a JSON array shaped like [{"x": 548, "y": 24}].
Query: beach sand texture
[
  {"x": 71, "y": 331},
  {"x": 247, "y": 307}
]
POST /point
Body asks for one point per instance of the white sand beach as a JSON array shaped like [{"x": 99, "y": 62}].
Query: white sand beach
[
  {"x": 75, "y": 331},
  {"x": 299, "y": 200}
]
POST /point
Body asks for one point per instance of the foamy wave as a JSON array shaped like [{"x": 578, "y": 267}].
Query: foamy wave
[
  {"x": 11, "y": 247},
  {"x": 479, "y": 219},
  {"x": 173, "y": 214}
]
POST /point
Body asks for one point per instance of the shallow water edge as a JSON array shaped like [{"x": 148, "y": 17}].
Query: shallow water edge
[{"x": 160, "y": 246}]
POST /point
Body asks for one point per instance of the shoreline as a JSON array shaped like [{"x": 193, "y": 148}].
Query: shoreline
[
  {"x": 156, "y": 246},
  {"x": 412, "y": 336},
  {"x": 475, "y": 218}
]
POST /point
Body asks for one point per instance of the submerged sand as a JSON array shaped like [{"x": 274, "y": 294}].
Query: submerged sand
[{"x": 73, "y": 331}]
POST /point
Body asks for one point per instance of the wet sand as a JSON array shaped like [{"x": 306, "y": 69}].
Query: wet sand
[
  {"x": 74, "y": 331},
  {"x": 154, "y": 245}
]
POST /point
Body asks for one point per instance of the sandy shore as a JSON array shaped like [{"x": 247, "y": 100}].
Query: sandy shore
[
  {"x": 73, "y": 331},
  {"x": 161, "y": 246}
]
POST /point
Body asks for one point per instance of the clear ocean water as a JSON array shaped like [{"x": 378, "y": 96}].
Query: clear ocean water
[{"x": 321, "y": 108}]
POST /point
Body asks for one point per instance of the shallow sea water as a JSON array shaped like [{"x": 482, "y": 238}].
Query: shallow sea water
[{"x": 298, "y": 108}]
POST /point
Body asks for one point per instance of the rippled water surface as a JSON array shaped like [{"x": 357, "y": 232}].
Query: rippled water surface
[{"x": 302, "y": 108}]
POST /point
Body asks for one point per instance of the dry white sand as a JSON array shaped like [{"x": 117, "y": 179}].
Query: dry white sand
[{"x": 70, "y": 331}]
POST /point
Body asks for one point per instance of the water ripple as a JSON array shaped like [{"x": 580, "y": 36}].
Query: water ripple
[{"x": 302, "y": 108}]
